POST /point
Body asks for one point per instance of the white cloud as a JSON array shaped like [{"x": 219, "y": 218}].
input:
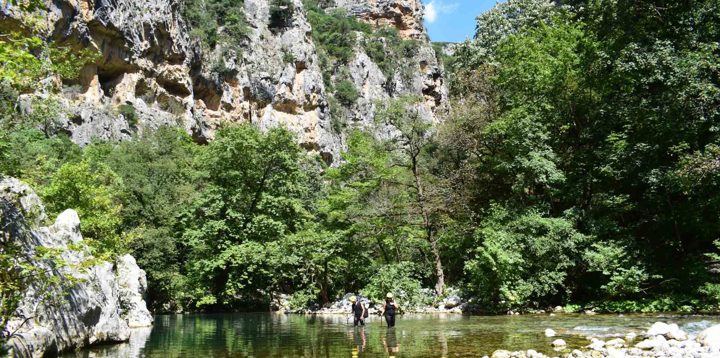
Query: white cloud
[
  {"x": 430, "y": 12},
  {"x": 436, "y": 7}
]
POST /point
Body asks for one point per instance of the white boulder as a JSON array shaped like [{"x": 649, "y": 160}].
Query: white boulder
[
  {"x": 669, "y": 331},
  {"x": 652, "y": 343},
  {"x": 710, "y": 337}
]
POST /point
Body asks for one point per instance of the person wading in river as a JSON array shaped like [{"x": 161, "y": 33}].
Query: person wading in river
[
  {"x": 359, "y": 311},
  {"x": 389, "y": 310}
]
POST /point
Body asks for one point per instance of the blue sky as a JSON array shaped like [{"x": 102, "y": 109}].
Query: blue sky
[{"x": 453, "y": 20}]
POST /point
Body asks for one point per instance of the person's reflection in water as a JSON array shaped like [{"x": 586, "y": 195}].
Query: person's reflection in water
[
  {"x": 390, "y": 341},
  {"x": 360, "y": 341}
]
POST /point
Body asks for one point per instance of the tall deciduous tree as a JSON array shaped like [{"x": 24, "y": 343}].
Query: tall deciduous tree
[{"x": 252, "y": 197}]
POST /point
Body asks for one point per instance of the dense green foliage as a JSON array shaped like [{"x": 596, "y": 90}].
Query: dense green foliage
[
  {"x": 580, "y": 154},
  {"x": 598, "y": 129},
  {"x": 216, "y": 22},
  {"x": 346, "y": 93}
]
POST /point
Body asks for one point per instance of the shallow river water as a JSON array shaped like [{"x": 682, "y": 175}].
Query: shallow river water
[{"x": 278, "y": 335}]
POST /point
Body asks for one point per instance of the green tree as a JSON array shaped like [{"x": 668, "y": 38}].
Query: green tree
[
  {"x": 252, "y": 197},
  {"x": 159, "y": 182},
  {"x": 411, "y": 144},
  {"x": 385, "y": 194},
  {"x": 34, "y": 158},
  {"x": 92, "y": 190},
  {"x": 524, "y": 258}
]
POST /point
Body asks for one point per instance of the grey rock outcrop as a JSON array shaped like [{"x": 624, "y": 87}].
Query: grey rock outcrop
[
  {"x": 132, "y": 283},
  {"x": 74, "y": 307},
  {"x": 152, "y": 67}
]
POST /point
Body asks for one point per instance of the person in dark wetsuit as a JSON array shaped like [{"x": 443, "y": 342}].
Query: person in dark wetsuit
[
  {"x": 358, "y": 310},
  {"x": 389, "y": 310}
]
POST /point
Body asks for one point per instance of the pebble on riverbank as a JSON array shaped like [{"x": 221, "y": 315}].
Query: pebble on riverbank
[{"x": 661, "y": 340}]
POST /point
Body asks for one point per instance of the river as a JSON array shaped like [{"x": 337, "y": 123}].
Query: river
[{"x": 278, "y": 335}]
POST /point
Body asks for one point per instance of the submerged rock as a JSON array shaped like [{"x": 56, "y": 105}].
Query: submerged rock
[
  {"x": 81, "y": 306},
  {"x": 501, "y": 353}
]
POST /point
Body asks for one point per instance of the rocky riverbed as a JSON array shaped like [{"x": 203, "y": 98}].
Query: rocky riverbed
[{"x": 661, "y": 340}]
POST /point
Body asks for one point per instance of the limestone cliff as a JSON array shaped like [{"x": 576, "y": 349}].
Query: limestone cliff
[
  {"x": 272, "y": 76},
  {"x": 74, "y": 306},
  {"x": 405, "y": 15}
]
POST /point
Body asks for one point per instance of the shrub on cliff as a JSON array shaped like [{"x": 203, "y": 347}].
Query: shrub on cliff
[
  {"x": 216, "y": 22},
  {"x": 281, "y": 12},
  {"x": 346, "y": 93},
  {"x": 334, "y": 32}
]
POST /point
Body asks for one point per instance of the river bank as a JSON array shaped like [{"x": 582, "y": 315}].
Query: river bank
[
  {"x": 661, "y": 340},
  {"x": 455, "y": 303}
]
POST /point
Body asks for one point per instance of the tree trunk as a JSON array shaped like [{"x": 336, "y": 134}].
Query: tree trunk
[
  {"x": 440, "y": 283},
  {"x": 429, "y": 230},
  {"x": 324, "y": 289}
]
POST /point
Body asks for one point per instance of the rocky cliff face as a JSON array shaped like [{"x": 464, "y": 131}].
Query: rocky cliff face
[
  {"x": 152, "y": 72},
  {"x": 404, "y": 15},
  {"x": 74, "y": 307}
]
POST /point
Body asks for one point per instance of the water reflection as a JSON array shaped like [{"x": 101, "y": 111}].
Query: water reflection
[
  {"x": 277, "y": 335},
  {"x": 133, "y": 348},
  {"x": 390, "y": 342}
]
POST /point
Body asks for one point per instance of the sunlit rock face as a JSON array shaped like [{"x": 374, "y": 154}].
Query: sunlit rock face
[
  {"x": 75, "y": 305},
  {"x": 153, "y": 73},
  {"x": 405, "y": 15}
]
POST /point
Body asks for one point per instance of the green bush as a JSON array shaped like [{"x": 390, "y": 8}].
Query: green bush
[
  {"x": 281, "y": 12},
  {"x": 288, "y": 57},
  {"x": 400, "y": 280},
  {"x": 334, "y": 32},
  {"x": 649, "y": 305},
  {"x": 208, "y": 17},
  {"x": 387, "y": 49},
  {"x": 523, "y": 258},
  {"x": 624, "y": 276},
  {"x": 346, "y": 93},
  {"x": 711, "y": 290},
  {"x": 303, "y": 298},
  {"x": 337, "y": 115},
  {"x": 129, "y": 113}
]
